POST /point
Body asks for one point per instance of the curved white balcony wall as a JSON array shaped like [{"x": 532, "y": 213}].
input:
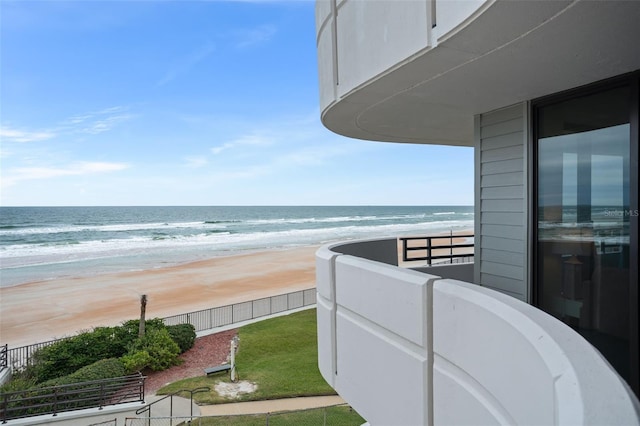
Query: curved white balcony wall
[
  {"x": 357, "y": 40},
  {"x": 406, "y": 348},
  {"x": 375, "y": 36},
  {"x": 451, "y": 14},
  {"x": 386, "y": 74},
  {"x": 327, "y": 66}
]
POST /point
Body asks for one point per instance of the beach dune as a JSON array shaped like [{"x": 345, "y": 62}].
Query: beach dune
[{"x": 41, "y": 311}]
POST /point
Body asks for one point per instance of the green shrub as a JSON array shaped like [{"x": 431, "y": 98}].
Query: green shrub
[
  {"x": 39, "y": 394},
  {"x": 17, "y": 384},
  {"x": 103, "y": 369},
  {"x": 127, "y": 332},
  {"x": 162, "y": 350},
  {"x": 136, "y": 361},
  {"x": 184, "y": 335},
  {"x": 66, "y": 356}
]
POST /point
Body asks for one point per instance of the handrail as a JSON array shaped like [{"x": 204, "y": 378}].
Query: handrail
[
  {"x": 147, "y": 408},
  {"x": 70, "y": 397},
  {"x": 429, "y": 247},
  {"x": 4, "y": 358}
]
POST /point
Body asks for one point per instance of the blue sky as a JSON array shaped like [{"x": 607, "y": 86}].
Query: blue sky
[{"x": 189, "y": 103}]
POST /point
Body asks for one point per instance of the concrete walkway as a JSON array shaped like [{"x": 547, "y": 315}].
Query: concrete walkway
[
  {"x": 181, "y": 408},
  {"x": 270, "y": 406}
]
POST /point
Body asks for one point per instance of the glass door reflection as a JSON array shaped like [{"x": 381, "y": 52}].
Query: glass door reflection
[{"x": 583, "y": 240}]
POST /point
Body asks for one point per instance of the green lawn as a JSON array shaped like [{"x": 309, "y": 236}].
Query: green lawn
[
  {"x": 280, "y": 355},
  {"x": 334, "y": 416}
]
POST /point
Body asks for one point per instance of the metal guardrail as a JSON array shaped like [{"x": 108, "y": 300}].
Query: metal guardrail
[
  {"x": 19, "y": 357},
  {"x": 57, "y": 399},
  {"x": 113, "y": 422},
  {"x": 207, "y": 319},
  {"x": 147, "y": 408},
  {"x": 4, "y": 357},
  {"x": 445, "y": 248}
]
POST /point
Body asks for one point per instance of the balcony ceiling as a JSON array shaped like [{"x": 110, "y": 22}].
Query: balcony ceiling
[{"x": 512, "y": 52}]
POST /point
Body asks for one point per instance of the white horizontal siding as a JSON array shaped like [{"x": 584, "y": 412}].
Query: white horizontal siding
[
  {"x": 506, "y": 166},
  {"x": 502, "y": 179},
  {"x": 501, "y": 205},
  {"x": 497, "y": 256},
  {"x": 501, "y": 218},
  {"x": 499, "y": 154},
  {"x": 502, "y": 244},
  {"x": 502, "y": 192},
  {"x": 512, "y": 232}
]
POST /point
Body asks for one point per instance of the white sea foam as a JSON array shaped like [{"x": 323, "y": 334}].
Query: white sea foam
[{"x": 63, "y": 242}]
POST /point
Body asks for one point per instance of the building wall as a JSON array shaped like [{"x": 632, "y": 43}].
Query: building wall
[
  {"x": 406, "y": 348},
  {"x": 501, "y": 201},
  {"x": 365, "y": 39},
  {"x": 374, "y": 337},
  {"x": 359, "y": 41}
]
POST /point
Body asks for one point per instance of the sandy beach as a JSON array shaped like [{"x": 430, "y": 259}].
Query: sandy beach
[{"x": 41, "y": 311}]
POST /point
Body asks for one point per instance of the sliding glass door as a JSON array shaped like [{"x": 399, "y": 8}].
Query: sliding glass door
[{"x": 586, "y": 219}]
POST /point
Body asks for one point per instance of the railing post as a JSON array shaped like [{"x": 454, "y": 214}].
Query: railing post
[
  {"x": 404, "y": 249},
  {"x": 103, "y": 397},
  {"x": 141, "y": 388},
  {"x": 5, "y": 407},
  {"x": 428, "y": 251},
  {"x": 55, "y": 401},
  {"x": 4, "y": 356},
  {"x": 171, "y": 410},
  {"x": 450, "y": 246},
  {"x": 191, "y": 404}
]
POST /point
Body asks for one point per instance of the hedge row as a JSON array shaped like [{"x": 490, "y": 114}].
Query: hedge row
[{"x": 105, "y": 351}]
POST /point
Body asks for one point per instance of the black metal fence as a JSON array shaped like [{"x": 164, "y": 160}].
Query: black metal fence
[
  {"x": 19, "y": 357},
  {"x": 437, "y": 249},
  {"x": 4, "y": 357},
  {"x": 58, "y": 399},
  {"x": 113, "y": 422},
  {"x": 207, "y": 319},
  {"x": 169, "y": 398}
]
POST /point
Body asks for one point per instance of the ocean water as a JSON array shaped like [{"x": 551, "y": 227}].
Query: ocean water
[{"x": 42, "y": 243}]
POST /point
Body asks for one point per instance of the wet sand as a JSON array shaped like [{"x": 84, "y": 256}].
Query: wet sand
[{"x": 41, "y": 311}]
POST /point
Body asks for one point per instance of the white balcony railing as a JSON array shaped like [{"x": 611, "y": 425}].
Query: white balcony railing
[{"x": 410, "y": 348}]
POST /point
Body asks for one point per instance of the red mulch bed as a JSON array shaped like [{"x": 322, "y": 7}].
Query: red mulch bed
[{"x": 208, "y": 351}]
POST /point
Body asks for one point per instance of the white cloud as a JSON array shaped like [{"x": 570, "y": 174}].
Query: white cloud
[
  {"x": 183, "y": 65},
  {"x": 97, "y": 121},
  {"x": 93, "y": 123},
  {"x": 22, "y": 136},
  {"x": 247, "y": 140},
  {"x": 75, "y": 169},
  {"x": 255, "y": 36},
  {"x": 196, "y": 162}
]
